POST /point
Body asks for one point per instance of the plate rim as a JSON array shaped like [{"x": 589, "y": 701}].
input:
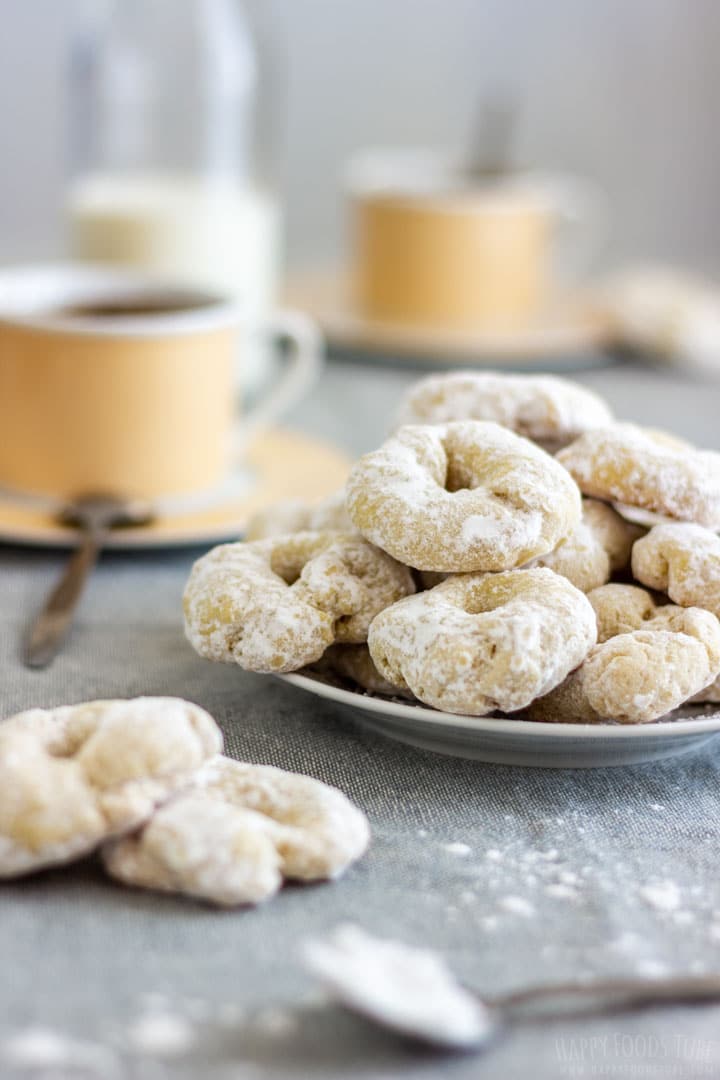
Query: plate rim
[{"x": 487, "y": 725}]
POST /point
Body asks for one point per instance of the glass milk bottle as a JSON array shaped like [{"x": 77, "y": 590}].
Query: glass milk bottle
[{"x": 165, "y": 175}]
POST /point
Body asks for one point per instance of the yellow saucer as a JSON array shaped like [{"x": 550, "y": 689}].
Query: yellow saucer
[{"x": 279, "y": 465}]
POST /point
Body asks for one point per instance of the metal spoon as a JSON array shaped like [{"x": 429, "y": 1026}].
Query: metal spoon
[
  {"x": 490, "y": 156},
  {"x": 412, "y": 992},
  {"x": 558, "y": 1001},
  {"x": 94, "y": 516}
]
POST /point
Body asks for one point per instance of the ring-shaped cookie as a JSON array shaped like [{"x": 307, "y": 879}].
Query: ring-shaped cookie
[
  {"x": 641, "y": 675},
  {"x": 549, "y": 410},
  {"x": 649, "y": 469},
  {"x": 238, "y": 832},
  {"x": 72, "y": 777},
  {"x": 276, "y": 605},
  {"x": 621, "y": 608},
  {"x": 682, "y": 560},
  {"x": 481, "y": 642},
  {"x": 294, "y": 515},
  {"x": 599, "y": 547},
  {"x": 462, "y": 497}
]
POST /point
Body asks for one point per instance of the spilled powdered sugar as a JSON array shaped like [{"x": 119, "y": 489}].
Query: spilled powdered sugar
[
  {"x": 275, "y": 1022},
  {"x": 161, "y": 1034},
  {"x": 661, "y": 895},
  {"x": 457, "y": 848},
  {"x": 517, "y": 905},
  {"x": 42, "y": 1051}
]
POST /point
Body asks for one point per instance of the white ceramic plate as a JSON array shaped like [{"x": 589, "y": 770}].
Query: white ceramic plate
[{"x": 523, "y": 742}]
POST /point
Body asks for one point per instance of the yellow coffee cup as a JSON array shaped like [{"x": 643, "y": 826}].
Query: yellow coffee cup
[
  {"x": 433, "y": 246},
  {"x": 116, "y": 382}
]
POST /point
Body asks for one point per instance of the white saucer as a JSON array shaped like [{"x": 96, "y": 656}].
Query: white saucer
[
  {"x": 278, "y": 465},
  {"x": 523, "y": 742}
]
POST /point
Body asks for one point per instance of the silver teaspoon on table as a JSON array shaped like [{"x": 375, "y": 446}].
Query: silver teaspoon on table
[
  {"x": 412, "y": 992},
  {"x": 94, "y": 516}
]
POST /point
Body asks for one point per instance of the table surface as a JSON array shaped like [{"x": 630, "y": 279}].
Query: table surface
[{"x": 516, "y": 875}]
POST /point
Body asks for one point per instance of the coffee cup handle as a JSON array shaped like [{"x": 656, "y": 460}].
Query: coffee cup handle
[
  {"x": 581, "y": 215},
  {"x": 303, "y": 366}
]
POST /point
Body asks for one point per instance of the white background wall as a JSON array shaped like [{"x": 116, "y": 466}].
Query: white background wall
[{"x": 624, "y": 90}]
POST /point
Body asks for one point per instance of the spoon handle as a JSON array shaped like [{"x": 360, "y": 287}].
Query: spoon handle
[
  {"x": 51, "y": 626},
  {"x": 618, "y": 993}
]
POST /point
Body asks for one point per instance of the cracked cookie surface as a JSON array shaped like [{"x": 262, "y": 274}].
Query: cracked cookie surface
[
  {"x": 72, "y": 777},
  {"x": 239, "y": 832},
  {"x": 276, "y": 605}
]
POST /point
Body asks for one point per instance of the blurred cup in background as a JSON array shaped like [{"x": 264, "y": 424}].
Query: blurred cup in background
[
  {"x": 434, "y": 245},
  {"x": 118, "y": 383}
]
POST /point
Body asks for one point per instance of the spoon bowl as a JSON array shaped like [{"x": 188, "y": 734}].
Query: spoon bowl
[{"x": 413, "y": 993}]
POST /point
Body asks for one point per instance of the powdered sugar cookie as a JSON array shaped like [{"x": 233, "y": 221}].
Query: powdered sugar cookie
[
  {"x": 546, "y": 409},
  {"x": 649, "y": 469},
  {"x": 682, "y": 560},
  {"x": 462, "y": 497},
  {"x": 294, "y": 515},
  {"x": 620, "y": 609},
  {"x": 598, "y": 547},
  {"x": 480, "y": 642},
  {"x": 277, "y": 604},
  {"x": 239, "y": 832},
  {"x": 637, "y": 677},
  {"x": 74, "y": 776},
  {"x": 354, "y": 663}
]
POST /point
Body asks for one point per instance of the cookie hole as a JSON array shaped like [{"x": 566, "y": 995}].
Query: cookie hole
[
  {"x": 290, "y": 579},
  {"x": 458, "y": 479},
  {"x": 453, "y": 487},
  {"x": 288, "y": 565}
]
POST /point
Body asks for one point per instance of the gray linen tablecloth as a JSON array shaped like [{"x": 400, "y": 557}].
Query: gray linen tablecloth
[{"x": 516, "y": 875}]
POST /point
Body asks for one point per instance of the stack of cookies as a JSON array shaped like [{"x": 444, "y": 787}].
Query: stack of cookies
[{"x": 510, "y": 549}]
